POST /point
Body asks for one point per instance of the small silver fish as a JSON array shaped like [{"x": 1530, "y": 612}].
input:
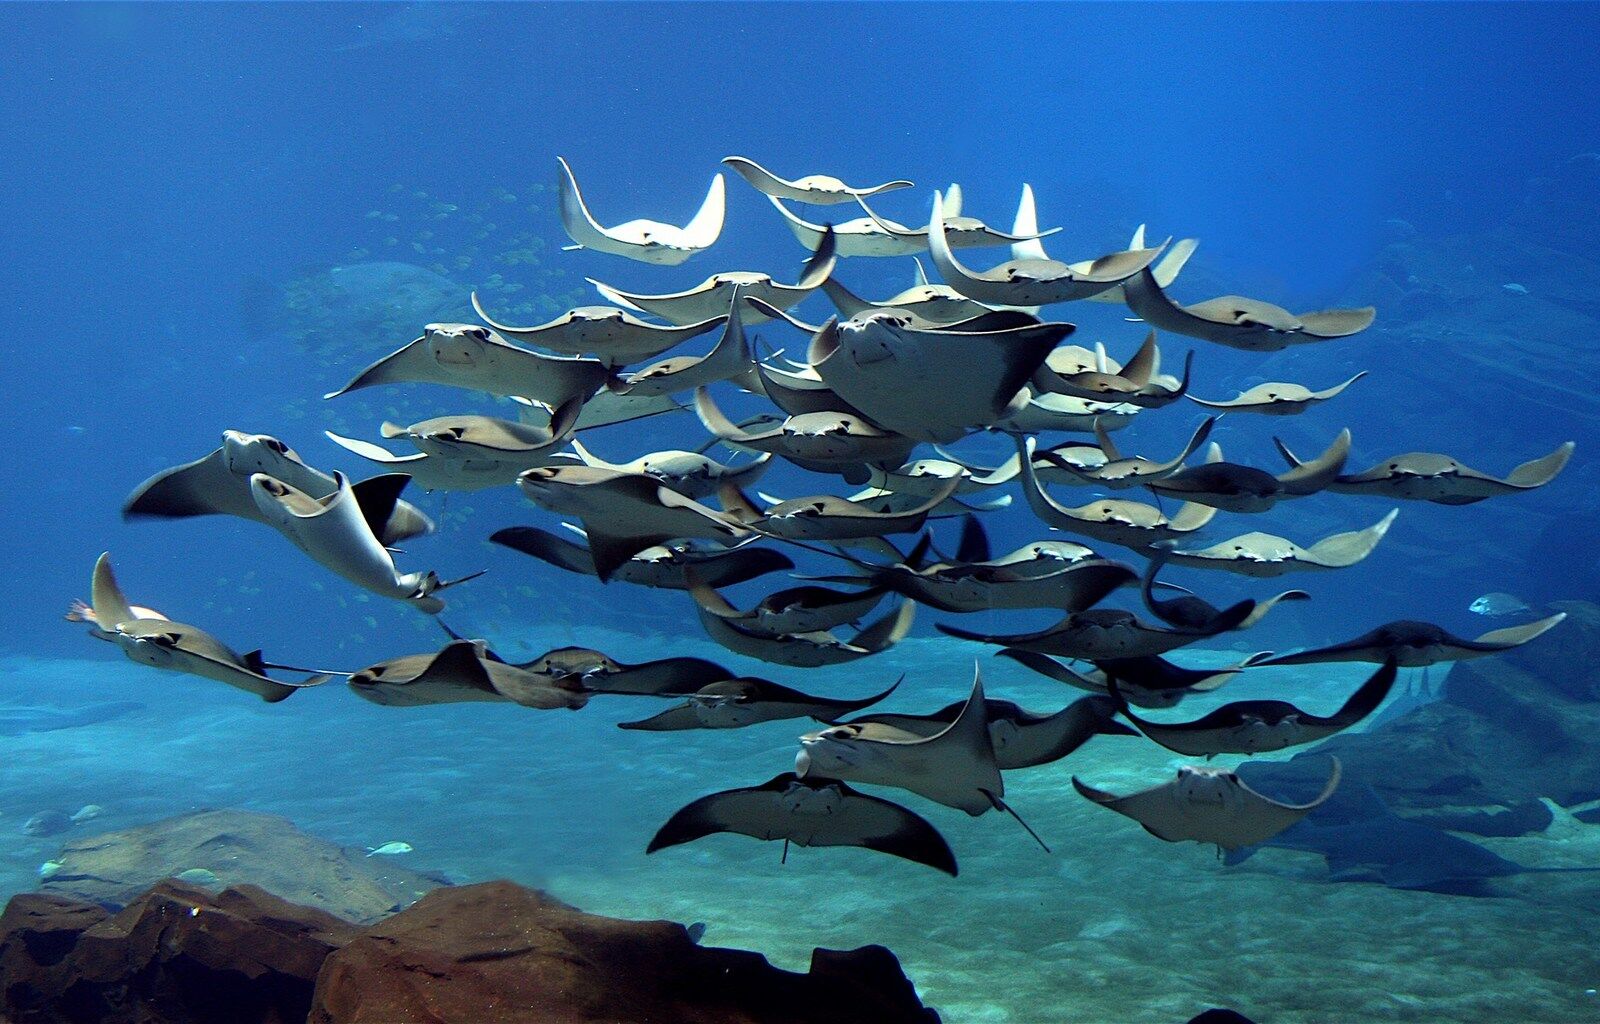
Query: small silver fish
[
  {"x": 388, "y": 849},
  {"x": 1498, "y": 603}
]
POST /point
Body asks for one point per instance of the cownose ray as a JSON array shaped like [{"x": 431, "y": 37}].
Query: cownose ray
[
  {"x": 960, "y": 231},
  {"x": 830, "y": 442},
  {"x": 927, "y": 477},
  {"x": 955, "y": 766},
  {"x": 1080, "y": 456},
  {"x": 1417, "y": 644},
  {"x": 799, "y": 650},
  {"x": 662, "y": 565},
  {"x": 178, "y": 647},
  {"x": 1033, "y": 281},
  {"x": 873, "y": 235},
  {"x": 729, "y": 359},
  {"x": 810, "y": 812},
  {"x": 1192, "y": 612},
  {"x": 433, "y": 472},
  {"x": 736, "y": 703},
  {"x": 597, "y": 672},
  {"x": 931, "y": 385},
  {"x": 984, "y": 320},
  {"x": 219, "y": 484},
  {"x": 1103, "y": 633},
  {"x": 1238, "y": 322},
  {"x": 1276, "y": 398},
  {"x": 689, "y": 473},
  {"x": 1147, "y": 682},
  {"x": 1134, "y": 383},
  {"x": 827, "y": 517},
  {"x": 337, "y": 532},
  {"x": 1118, "y": 471},
  {"x": 935, "y": 303},
  {"x": 464, "y": 670},
  {"x": 1021, "y": 738},
  {"x": 798, "y": 392},
  {"x": 1045, "y": 412},
  {"x": 793, "y": 610},
  {"x": 815, "y": 189},
  {"x": 1209, "y": 805},
  {"x": 1441, "y": 479},
  {"x": 1130, "y": 524},
  {"x": 624, "y": 513},
  {"x": 614, "y": 336},
  {"x": 1165, "y": 270},
  {"x": 469, "y": 356},
  {"x": 474, "y": 438},
  {"x": 647, "y": 241},
  {"x": 1263, "y": 555},
  {"x": 712, "y": 297},
  {"x": 1232, "y": 487},
  {"x": 1262, "y": 726}
]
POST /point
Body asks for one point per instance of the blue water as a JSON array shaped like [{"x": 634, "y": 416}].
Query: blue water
[{"x": 167, "y": 170}]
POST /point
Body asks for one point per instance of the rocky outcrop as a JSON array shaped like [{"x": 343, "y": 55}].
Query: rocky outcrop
[
  {"x": 501, "y": 953},
  {"x": 238, "y": 847},
  {"x": 175, "y": 955},
  {"x": 477, "y": 954}
]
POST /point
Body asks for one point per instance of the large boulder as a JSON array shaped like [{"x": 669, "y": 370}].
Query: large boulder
[
  {"x": 175, "y": 955},
  {"x": 113, "y": 868},
  {"x": 497, "y": 952}
]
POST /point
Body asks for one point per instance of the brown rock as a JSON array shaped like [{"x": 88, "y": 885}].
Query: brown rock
[
  {"x": 176, "y": 955},
  {"x": 500, "y": 954},
  {"x": 239, "y": 847}
]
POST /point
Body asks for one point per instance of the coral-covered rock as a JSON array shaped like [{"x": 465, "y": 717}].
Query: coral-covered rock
[
  {"x": 238, "y": 847},
  {"x": 176, "y": 955},
  {"x": 498, "y": 952}
]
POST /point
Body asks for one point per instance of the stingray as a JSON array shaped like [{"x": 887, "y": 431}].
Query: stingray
[
  {"x": 1261, "y": 726},
  {"x": 1119, "y": 472},
  {"x": 689, "y": 473},
  {"x": 830, "y": 518},
  {"x": 647, "y": 241},
  {"x": 599, "y": 673},
  {"x": 803, "y": 609},
  {"x": 800, "y": 650},
  {"x": 860, "y": 236},
  {"x": 1426, "y": 476},
  {"x": 433, "y": 472},
  {"x": 337, "y": 531},
  {"x": 1264, "y": 555},
  {"x": 1021, "y": 738},
  {"x": 712, "y": 297},
  {"x": 983, "y": 321},
  {"x": 1130, "y": 524},
  {"x": 931, "y": 385},
  {"x": 1417, "y": 644},
  {"x": 810, "y": 812},
  {"x": 729, "y": 359},
  {"x": 219, "y": 484},
  {"x": 658, "y": 566},
  {"x": 1362, "y": 840},
  {"x": 178, "y": 647},
  {"x": 1133, "y": 384},
  {"x": 469, "y": 356},
  {"x": 1208, "y": 805},
  {"x": 1191, "y": 612},
  {"x": 1044, "y": 412},
  {"x": 958, "y": 231},
  {"x": 736, "y": 703},
  {"x": 614, "y": 336},
  {"x": 1165, "y": 270},
  {"x": 464, "y": 670},
  {"x": 816, "y": 189},
  {"x": 1235, "y": 488},
  {"x": 1100, "y": 633},
  {"x": 1146, "y": 682},
  {"x": 1277, "y": 399},
  {"x": 935, "y": 303},
  {"x": 833, "y": 441},
  {"x": 1036, "y": 280},
  {"x": 624, "y": 513},
  {"x": 489, "y": 439},
  {"x": 1238, "y": 322}
]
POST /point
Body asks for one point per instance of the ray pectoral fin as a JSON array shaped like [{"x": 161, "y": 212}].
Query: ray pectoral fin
[
  {"x": 377, "y": 498},
  {"x": 612, "y": 551},
  {"x": 199, "y": 488},
  {"x": 887, "y": 631},
  {"x": 1513, "y": 636},
  {"x": 1542, "y": 470},
  {"x": 546, "y": 547}
]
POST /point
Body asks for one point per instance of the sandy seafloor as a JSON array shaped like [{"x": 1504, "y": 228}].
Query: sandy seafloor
[{"x": 1114, "y": 926}]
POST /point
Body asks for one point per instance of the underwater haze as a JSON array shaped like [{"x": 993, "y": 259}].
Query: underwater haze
[{"x": 216, "y": 214}]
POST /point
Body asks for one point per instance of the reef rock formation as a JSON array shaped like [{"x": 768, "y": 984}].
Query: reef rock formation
[
  {"x": 113, "y": 868},
  {"x": 477, "y": 954},
  {"x": 501, "y": 953},
  {"x": 175, "y": 955}
]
